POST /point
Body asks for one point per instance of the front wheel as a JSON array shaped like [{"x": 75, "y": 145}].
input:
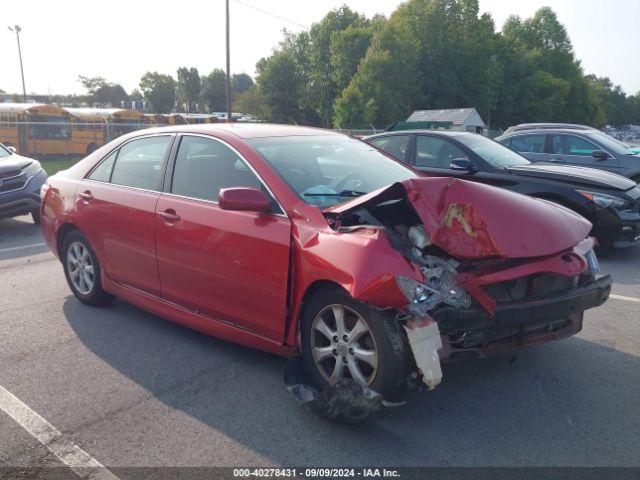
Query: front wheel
[
  {"x": 82, "y": 270},
  {"x": 344, "y": 338}
]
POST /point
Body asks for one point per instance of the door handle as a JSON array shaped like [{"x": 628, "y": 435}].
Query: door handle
[
  {"x": 86, "y": 196},
  {"x": 169, "y": 216}
]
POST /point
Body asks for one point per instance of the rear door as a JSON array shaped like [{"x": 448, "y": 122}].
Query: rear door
[
  {"x": 532, "y": 147},
  {"x": 230, "y": 266},
  {"x": 398, "y": 146},
  {"x": 116, "y": 210}
]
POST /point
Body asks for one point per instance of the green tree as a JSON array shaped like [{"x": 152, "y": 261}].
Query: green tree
[
  {"x": 188, "y": 88},
  {"x": 251, "y": 101},
  {"x": 214, "y": 93},
  {"x": 240, "y": 83},
  {"x": 103, "y": 93},
  {"x": 159, "y": 91}
]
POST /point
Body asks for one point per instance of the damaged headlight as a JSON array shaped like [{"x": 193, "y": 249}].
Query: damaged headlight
[
  {"x": 603, "y": 200},
  {"x": 440, "y": 286}
]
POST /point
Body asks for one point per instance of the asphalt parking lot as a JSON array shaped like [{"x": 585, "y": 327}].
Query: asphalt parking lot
[{"x": 131, "y": 389}]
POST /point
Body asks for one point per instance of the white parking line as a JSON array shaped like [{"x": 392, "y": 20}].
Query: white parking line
[
  {"x": 70, "y": 454},
  {"x": 622, "y": 297},
  {"x": 22, "y": 247}
]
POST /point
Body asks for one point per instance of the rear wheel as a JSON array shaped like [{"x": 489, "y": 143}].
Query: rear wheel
[
  {"x": 343, "y": 338},
  {"x": 82, "y": 270}
]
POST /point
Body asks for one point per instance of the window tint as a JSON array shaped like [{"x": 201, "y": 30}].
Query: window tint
[
  {"x": 102, "y": 173},
  {"x": 436, "y": 152},
  {"x": 395, "y": 145},
  {"x": 529, "y": 143},
  {"x": 139, "y": 163},
  {"x": 204, "y": 166},
  {"x": 571, "y": 145}
]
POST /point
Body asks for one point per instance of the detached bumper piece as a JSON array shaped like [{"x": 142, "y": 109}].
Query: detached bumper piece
[
  {"x": 473, "y": 332},
  {"x": 343, "y": 402}
]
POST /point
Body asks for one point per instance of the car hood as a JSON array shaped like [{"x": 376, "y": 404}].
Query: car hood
[
  {"x": 470, "y": 220},
  {"x": 577, "y": 175},
  {"x": 13, "y": 163}
]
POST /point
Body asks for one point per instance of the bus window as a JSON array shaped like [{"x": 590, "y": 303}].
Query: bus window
[{"x": 50, "y": 128}]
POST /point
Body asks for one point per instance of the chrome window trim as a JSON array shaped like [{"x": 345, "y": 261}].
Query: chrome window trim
[
  {"x": 99, "y": 182},
  {"x": 240, "y": 156}
]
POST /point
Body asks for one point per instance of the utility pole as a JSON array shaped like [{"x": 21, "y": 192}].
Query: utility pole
[
  {"x": 18, "y": 29},
  {"x": 228, "y": 69}
]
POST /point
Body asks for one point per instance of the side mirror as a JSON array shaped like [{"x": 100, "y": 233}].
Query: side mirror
[
  {"x": 13, "y": 149},
  {"x": 462, "y": 164},
  {"x": 243, "y": 199},
  {"x": 600, "y": 155}
]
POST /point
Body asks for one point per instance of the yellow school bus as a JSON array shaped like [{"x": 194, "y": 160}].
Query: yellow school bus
[
  {"x": 36, "y": 129},
  {"x": 89, "y": 129},
  {"x": 161, "y": 119},
  {"x": 195, "y": 118},
  {"x": 112, "y": 122}
]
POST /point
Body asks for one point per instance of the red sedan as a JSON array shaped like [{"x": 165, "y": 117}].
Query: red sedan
[{"x": 302, "y": 241}]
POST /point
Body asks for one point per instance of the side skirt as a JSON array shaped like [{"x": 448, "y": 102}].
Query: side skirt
[{"x": 192, "y": 319}]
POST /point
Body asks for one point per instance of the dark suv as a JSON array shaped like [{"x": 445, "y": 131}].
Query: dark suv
[
  {"x": 20, "y": 182},
  {"x": 585, "y": 148}
]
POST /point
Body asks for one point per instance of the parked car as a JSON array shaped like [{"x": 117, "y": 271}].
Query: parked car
[
  {"x": 610, "y": 202},
  {"x": 301, "y": 241},
  {"x": 20, "y": 182},
  {"x": 547, "y": 126},
  {"x": 585, "y": 148}
]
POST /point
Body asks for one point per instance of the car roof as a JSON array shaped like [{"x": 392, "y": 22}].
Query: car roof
[
  {"x": 550, "y": 125},
  {"x": 573, "y": 131},
  {"x": 448, "y": 133},
  {"x": 241, "y": 130}
]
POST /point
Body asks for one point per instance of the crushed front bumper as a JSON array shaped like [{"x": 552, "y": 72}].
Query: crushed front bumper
[{"x": 473, "y": 332}]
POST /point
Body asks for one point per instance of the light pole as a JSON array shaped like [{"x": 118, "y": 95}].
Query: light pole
[
  {"x": 228, "y": 69},
  {"x": 17, "y": 29}
]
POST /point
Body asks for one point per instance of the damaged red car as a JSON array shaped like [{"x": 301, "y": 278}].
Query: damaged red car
[{"x": 310, "y": 244}]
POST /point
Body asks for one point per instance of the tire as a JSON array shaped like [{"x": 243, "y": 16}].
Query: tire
[
  {"x": 35, "y": 215},
  {"x": 384, "y": 336},
  {"x": 86, "y": 286}
]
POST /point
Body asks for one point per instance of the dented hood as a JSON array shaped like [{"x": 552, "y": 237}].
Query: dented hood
[{"x": 470, "y": 220}]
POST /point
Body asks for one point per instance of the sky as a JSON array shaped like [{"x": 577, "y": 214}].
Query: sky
[{"x": 121, "y": 40}]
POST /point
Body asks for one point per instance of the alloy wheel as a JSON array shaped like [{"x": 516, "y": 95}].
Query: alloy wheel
[
  {"x": 343, "y": 346},
  {"x": 80, "y": 268}
]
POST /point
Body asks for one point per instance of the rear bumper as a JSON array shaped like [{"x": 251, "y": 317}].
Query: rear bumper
[{"x": 518, "y": 323}]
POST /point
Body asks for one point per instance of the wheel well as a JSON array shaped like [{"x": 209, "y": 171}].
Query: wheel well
[
  {"x": 312, "y": 290},
  {"x": 636, "y": 178},
  {"x": 63, "y": 231}
]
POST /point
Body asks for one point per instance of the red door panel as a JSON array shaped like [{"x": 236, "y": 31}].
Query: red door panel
[
  {"x": 119, "y": 223},
  {"x": 232, "y": 266}
]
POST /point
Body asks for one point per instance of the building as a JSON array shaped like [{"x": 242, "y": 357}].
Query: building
[{"x": 461, "y": 119}]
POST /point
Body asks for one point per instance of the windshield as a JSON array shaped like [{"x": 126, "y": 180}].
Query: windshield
[
  {"x": 492, "y": 152},
  {"x": 327, "y": 170},
  {"x": 610, "y": 143},
  {"x": 4, "y": 152}
]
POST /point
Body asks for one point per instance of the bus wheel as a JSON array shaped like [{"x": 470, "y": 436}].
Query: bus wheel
[{"x": 91, "y": 148}]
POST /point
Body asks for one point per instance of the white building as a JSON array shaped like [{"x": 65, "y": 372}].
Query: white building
[{"x": 462, "y": 119}]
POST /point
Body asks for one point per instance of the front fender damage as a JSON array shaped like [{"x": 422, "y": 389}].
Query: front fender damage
[{"x": 454, "y": 235}]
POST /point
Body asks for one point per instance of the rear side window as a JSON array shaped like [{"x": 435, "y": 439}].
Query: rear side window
[
  {"x": 529, "y": 143},
  {"x": 102, "y": 173},
  {"x": 139, "y": 163},
  {"x": 394, "y": 145},
  {"x": 572, "y": 145},
  {"x": 204, "y": 166}
]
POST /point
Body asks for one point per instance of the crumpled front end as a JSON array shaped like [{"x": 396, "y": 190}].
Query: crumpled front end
[{"x": 494, "y": 270}]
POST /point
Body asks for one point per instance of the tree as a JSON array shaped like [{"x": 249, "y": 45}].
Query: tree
[
  {"x": 103, "y": 93},
  {"x": 251, "y": 101},
  {"x": 240, "y": 83},
  {"x": 214, "y": 94},
  {"x": 189, "y": 87},
  {"x": 159, "y": 91}
]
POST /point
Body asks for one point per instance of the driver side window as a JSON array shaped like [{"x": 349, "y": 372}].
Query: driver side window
[{"x": 434, "y": 152}]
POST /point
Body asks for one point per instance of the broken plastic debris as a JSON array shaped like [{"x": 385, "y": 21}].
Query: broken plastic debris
[
  {"x": 424, "y": 339},
  {"x": 343, "y": 402}
]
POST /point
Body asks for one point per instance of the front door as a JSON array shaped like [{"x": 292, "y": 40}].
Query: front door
[
  {"x": 230, "y": 266},
  {"x": 576, "y": 150}
]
